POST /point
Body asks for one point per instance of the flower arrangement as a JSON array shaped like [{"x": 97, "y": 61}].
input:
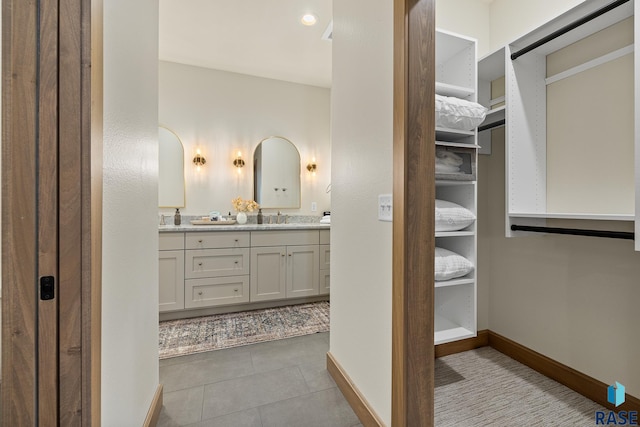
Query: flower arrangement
[{"x": 241, "y": 205}]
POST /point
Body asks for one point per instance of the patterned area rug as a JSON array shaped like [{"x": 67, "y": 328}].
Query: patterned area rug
[{"x": 188, "y": 336}]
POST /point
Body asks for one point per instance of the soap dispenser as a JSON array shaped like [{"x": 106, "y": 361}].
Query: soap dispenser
[
  {"x": 176, "y": 218},
  {"x": 259, "y": 216}
]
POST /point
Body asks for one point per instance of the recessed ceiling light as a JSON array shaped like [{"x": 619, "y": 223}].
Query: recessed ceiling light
[{"x": 309, "y": 19}]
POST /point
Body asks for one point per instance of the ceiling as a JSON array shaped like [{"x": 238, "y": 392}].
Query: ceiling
[{"x": 257, "y": 37}]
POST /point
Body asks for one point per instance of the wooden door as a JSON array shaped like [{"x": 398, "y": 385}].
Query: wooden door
[
  {"x": 302, "y": 271},
  {"x": 51, "y": 212},
  {"x": 268, "y": 273}
]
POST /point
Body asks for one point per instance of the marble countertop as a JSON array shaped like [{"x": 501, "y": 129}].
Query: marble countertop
[{"x": 245, "y": 227}]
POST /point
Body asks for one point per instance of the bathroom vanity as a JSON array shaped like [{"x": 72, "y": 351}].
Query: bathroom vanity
[{"x": 222, "y": 268}]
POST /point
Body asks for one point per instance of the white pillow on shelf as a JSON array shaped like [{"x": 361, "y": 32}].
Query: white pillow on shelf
[
  {"x": 450, "y": 265},
  {"x": 452, "y": 217},
  {"x": 456, "y": 113}
]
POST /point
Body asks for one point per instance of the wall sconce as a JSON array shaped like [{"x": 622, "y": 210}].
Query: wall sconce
[
  {"x": 199, "y": 159},
  {"x": 311, "y": 167},
  {"x": 238, "y": 162}
]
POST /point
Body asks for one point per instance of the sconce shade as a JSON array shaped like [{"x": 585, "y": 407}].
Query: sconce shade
[
  {"x": 238, "y": 162},
  {"x": 311, "y": 167}
]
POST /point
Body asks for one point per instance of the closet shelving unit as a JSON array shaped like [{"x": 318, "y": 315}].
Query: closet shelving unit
[
  {"x": 455, "y": 300},
  {"x": 526, "y": 115}
]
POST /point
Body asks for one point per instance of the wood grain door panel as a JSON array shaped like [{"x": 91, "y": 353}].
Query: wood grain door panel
[{"x": 51, "y": 193}]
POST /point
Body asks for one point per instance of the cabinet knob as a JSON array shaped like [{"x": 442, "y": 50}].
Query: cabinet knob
[
  {"x": 236, "y": 262},
  {"x": 289, "y": 254},
  {"x": 236, "y": 240},
  {"x": 282, "y": 255},
  {"x": 200, "y": 264},
  {"x": 200, "y": 293},
  {"x": 235, "y": 290},
  {"x": 200, "y": 241}
]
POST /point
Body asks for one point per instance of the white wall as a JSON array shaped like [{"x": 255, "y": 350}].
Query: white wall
[
  {"x": 362, "y": 140},
  {"x": 466, "y": 17},
  {"x": 511, "y": 19},
  {"x": 222, "y": 113},
  {"x": 573, "y": 299},
  {"x": 130, "y": 230}
]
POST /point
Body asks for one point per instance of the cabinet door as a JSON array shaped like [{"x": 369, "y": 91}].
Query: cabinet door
[
  {"x": 302, "y": 271},
  {"x": 171, "y": 280},
  {"x": 325, "y": 257},
  {"x": 325, "y": 278},
  {"x": 268, "y": 267}
]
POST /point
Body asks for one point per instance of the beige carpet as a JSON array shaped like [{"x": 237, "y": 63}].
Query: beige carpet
[
  {"x": 484, "y": 387},
  {"x": 188, "y": 336}
]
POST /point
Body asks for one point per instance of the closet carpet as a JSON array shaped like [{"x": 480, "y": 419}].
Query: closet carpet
[
  {"x": 484, "y": 387},
  {"x": 189, "y": 336}
]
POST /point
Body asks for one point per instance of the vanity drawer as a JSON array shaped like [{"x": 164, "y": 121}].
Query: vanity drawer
[
  {"x": 325, "y": 257},
  {"x": 216, "y": 263},
  {"x": 170, "y": 241},
  {"x": 217, "y": 239},
  {"x": 285, "y": 237},
  {"x": 325, "y": 237},
  {"x": 211, "y": 292}
]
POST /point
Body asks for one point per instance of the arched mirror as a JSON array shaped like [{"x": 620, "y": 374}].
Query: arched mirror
[
  {"x": 276, "y": 173},
  {"x": 170, "y": 170}
]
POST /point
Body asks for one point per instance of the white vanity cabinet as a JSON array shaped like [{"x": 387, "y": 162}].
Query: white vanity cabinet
[
  {"x": 220, "y": 270},
  {"x": 216, "y": 269},
  {"x": 284, "y": 264},
  {"x": 171, "y": 271}
]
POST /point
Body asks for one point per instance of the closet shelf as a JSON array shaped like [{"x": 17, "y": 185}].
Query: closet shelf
[
  {"x": 494, "y": 115},
  {"x": 456, "y": 144},
  {"x": 447, "y": 183},
  {"x": 447, "y": 331},
  {"x": 446, "y": 89},
  {"x": 462, "y": 233},
  {"x": 455, "y": 282},
  {"x": 550, "y": 215},
  {"x": 453, "y": 135}
]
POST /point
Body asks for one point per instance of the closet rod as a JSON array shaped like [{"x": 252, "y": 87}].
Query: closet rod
[
  {"x": 492, "y": 125},
  {"x": 567, "y": 28},
  {"x": 576, "y": 232}
]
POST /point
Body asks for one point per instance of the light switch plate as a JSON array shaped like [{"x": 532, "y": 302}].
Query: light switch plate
[
  {"x": 314, "y": 206},
  {"x": 385, "y": 207}
]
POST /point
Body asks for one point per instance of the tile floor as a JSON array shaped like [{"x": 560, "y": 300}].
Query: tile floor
[{"x": 278, "y": 383}]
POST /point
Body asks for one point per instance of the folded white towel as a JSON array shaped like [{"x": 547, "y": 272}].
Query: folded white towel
[
  {"x": 447, "y": 169},
  {"x": 326, "y": 219}
]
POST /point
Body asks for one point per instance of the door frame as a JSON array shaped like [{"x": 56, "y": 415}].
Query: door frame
[
  {"x": 51, "y": 216},
  {"x": 413, "y": 351}
]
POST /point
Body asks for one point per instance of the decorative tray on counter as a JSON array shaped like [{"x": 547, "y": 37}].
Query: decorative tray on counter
[{"x": 209, "y": 222}]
